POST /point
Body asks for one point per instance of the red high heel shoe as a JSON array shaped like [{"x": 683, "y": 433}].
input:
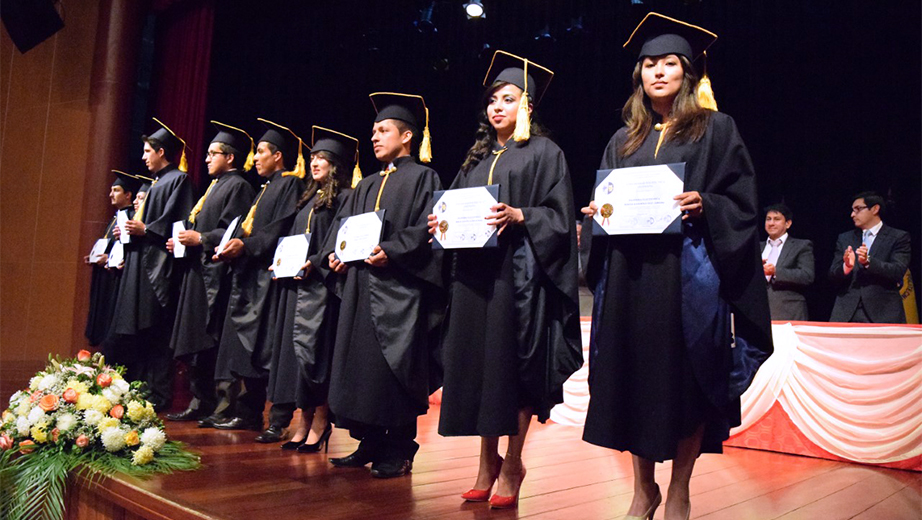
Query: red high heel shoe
[
  {"x": 482, "y": 495},
  {"x": 503, "y": 502}
]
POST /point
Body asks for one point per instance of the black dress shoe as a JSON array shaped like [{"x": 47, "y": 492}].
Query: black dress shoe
[
  {"x": 211, "y": 420},
  {"x": 391, "y": 468},
  {"x": 356, "y": 459},
  {"x": 239, "y": 423},
  {"x": 271, "y": 434},
  {"x": 189, "y": 414}
]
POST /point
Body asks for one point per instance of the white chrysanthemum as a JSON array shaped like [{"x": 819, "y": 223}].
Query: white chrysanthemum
[
  {"x": 15, "y": 397},
  {"x": 119, "y": 386},
  {"x": 92, "y": 417},
  {"x": 66, "y": 421},
  {"x": 48, "y": 382},
  {"x": 153, "y": 437},
  {"x": 33, "y": 383},
  {"x": 113, "y": 439},
  {"x": 24, "y": 408},
  {"x": 36, "y": 415},
  {"x": 22, "y": 426},
  {"x": 113, "y": 396}
]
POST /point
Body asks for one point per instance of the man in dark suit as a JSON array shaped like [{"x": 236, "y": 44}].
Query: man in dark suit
[
  {"x": 788, "y": 265},
  {"x": 868, "y": 266}
]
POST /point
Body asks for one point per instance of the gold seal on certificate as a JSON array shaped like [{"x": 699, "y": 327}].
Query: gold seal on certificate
[
  {"x": 465, "y": 211},
  {"x": 639, "y": 200},
  {"x": 358, "y": 235},
  {"x": 290, "y": 255}
]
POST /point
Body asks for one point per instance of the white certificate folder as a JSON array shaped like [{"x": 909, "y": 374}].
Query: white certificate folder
[
  {"x": 639, "y": 200},
  {"x": 461, "y": 215},
  {"x": 358, "y": 235}
]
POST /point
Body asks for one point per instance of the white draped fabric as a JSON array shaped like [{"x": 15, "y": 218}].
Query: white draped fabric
[{"x": 854, "y": 391}]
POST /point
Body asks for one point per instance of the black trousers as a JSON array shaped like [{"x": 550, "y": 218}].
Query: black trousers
[
  {"x": 201, "y": 380},
  {"x": 387, "y": 443}
]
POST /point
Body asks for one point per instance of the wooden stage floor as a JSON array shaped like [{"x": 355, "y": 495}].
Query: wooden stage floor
[{"x": 567, "y": 480}]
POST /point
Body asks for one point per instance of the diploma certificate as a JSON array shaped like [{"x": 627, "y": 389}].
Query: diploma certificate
[
  {"x": 229, "y": 234},
  {"x": 358, "y": 235},
  {"x": 99, "y": 249},
  {"x": 120, "y": 218},
  {"x": 462, "y": 215},
  {"x": 116, "y": 255},
  {"x": 290, "y": 255},
  {"x": 179, "y": 250},
  {"x": 639, "y": 200}
]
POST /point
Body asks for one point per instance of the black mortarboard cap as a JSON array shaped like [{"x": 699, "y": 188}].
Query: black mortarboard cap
[
  {"x": 509, "y": 68},
  {"x": 658, "y": 35},
  {"x": 237, "y": 138},
  {"x": 344, "y": 146},
  {"x": 409, "y": 108},
  {"x": 127, "y": 181},
  {"x": 171, "y": 141},
  {"x": 288, "y": 142}
]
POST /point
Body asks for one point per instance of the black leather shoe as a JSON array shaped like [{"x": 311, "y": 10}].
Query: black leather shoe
[
  {"x": 211, "y": 420},
  {"x": 189, "y": 414},
  {"x": 356, "y": 459},
  {"x": 239, "y": 423},
  {"x": 391, "y": 468},
  {"x": 271, "y": 434}
]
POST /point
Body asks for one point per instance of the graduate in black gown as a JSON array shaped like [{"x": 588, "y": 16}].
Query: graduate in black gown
[
  {"x": 305, "y": 326},
  {"x": 205, "y": 285},
  {"x": 511, "y": 335},
  {"x": 147, "y": 292},
  {"x": 665, "y": 374},
  {"x": 391, "y": 302},
  {"x": 103, "y": 284},
  {"x": 246, "y": 341}
]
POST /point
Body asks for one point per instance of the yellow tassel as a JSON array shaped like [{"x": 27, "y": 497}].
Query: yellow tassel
[
  {"x": 425, "y": 147},
  {"x": 183, "y": 162},
  {"x": 300, "y": 168},
  {"x": 356, "y": 175},
  {"x": 522, "y": 119},
  {"x": 706, "y": 94},
  {"x": 247, "y": 224},
  {"x": 248, "y": 165}
]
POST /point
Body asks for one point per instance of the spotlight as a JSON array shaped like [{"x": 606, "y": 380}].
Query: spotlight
[
  {"x": 425, "y": 24},
  {"x": 544, "y": 35},
  {"x": 485, "y": 51},
  {"x": 576, "y": 26},
  {"x": 474, "y": 9}
]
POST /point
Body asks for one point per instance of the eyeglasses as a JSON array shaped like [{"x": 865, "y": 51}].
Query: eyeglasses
[
  {"x": 212, "y": 154},
  {"x": 857, "y": 209}
]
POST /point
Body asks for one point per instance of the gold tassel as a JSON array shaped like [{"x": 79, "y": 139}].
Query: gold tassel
[
  {"x": 425, "y": 147},
  {"x": 300, "y": 168},
  {"x": 248, "y": 165},
  {"x": 247, "y": 224},
  {"x": 183, "y": 162},
  {"x": 201, "y": 202},
  {"x": 356, "y": 172},
  {"x": 522, "y": 120},
  {"x": 704, "y": 91}
]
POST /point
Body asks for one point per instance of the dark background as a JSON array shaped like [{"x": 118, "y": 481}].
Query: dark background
[{"x": 826, "y": 93}]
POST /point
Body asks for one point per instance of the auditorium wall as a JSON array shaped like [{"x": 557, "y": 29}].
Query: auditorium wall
[{"x": 44, "y": 140}]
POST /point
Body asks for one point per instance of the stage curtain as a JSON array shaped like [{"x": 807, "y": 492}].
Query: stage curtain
[
  {"x": 180, "y": 77},
  {"x": 854, "y": 391}
]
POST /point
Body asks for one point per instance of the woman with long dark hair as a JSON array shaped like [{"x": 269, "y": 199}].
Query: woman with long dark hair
[
  {"x": 665, "y": 372},
  {"x": 511, "y": 335},
  {"x": 307, "y": 313}
]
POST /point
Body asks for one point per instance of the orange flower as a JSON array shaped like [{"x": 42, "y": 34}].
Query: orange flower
[
  {"x": 117, "y": 411},
  {"x": 82, "y": 441},
  {"x": 71, "y": 395},
  {"x": 49, "y": 403},
  {"x": 26, "y": 446},
  {"x": 84, "y": 355},
  {"x": 103, "y": 380},
  {"x": 36, "y": 395},
  {"x": 6, "y": 442},
  {"x": 54, "y": 435}
]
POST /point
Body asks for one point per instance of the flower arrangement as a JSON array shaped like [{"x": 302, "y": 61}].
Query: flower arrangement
[{"x": 78, "y": 414}]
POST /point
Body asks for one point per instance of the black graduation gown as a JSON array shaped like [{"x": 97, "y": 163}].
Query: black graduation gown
[
  {"x": 382, "y": 373},
  {"x": 205, "y": 284},
  {"x": 511, "y": 334},
  {"x": 103, "y": 291},
  {"x": 146, "y": 292},
  {"x": 661, "y": 361},
  {"x": 246, "y": 347},
  {"x": 305, "y": 326}
]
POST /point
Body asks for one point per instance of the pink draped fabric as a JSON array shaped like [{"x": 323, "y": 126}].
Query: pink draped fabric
[{"x": 853, "y": 391}]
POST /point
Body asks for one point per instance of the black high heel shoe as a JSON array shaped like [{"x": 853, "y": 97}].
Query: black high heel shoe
[
  {"x": 293, "y": 445},
  {"x": 324, "y": 442}
]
